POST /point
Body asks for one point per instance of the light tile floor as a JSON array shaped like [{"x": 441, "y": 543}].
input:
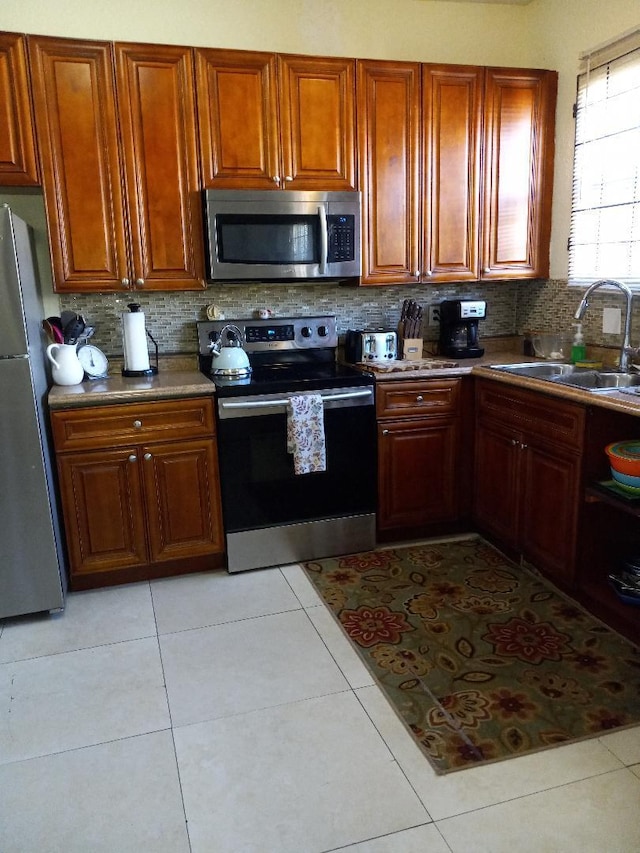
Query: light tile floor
[{"x": 224, "y": 713}]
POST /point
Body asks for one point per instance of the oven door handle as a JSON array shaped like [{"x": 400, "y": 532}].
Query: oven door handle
[{"x": 284, "y": 401}]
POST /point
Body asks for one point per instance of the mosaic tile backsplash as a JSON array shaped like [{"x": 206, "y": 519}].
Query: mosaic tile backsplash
[{"x": 512, "y": 309}]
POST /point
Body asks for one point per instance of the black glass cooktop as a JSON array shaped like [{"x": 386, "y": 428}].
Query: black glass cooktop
[{"x": 291, "y": 378}]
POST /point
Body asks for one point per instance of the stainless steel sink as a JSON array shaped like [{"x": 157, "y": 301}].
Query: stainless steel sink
[
  {"x": 539, "y": 369},
  {"x": 576, "y": 377}
]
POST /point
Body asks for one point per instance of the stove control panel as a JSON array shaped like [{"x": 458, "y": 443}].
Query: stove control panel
[{"x": 276, "y": 333}]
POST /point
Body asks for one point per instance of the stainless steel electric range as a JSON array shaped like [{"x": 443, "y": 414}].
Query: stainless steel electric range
[{"x": 273, "y": 516}]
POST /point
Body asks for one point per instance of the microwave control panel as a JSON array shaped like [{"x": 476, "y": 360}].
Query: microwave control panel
[{"x": 341, "y": 234}]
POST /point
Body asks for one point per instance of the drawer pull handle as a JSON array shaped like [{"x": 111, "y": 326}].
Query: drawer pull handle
[
  {"x": 148, "y": 456},
  {"x": 137, "y": 424},
  {"x": 133, "y": 458}
]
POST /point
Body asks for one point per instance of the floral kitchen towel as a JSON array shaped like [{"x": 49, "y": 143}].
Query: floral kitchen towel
[{"x": 305, "y": 433}]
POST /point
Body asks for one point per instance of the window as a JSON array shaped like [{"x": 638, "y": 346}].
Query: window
[{"x": 604, "y": 240}]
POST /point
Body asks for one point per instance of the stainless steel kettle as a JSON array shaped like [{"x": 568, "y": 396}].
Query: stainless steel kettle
[{"x": 229, "y": 358}]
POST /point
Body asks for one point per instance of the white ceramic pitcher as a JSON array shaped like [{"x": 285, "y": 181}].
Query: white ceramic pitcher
[{"x": 66, "y": 369}]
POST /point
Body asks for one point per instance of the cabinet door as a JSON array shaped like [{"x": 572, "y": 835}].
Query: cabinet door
[
  {"x": 74, "y": 103},
  {"x": 388, "y": 96},
  {"x": 550, "y": 500},
  {"x": 518, "y": 172},
  {"x": 417, "y": 472},
  {"x": 181, "y": 487},
  {"x": 317, "y": 116},
  {"x": 452, "y": 126},
  {"x": 18, "y": 164},
  {"x": 157, "y": 118},
  {"x": 103, "y": 510},
  {"x": 238, "y": 119},
  {"x": 496, "y": 482}
]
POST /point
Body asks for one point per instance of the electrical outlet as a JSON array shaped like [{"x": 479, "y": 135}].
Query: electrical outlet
[{"x": 434, "y": 315}]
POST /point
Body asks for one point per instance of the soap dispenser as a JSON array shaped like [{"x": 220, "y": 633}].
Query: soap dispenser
[{"x": 578, "y": 349}]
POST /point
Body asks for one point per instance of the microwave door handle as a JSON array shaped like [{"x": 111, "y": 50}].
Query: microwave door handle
[{"x": 324, "y": 239}]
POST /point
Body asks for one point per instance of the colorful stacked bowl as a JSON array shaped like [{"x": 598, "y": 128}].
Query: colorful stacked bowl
[{"x": 624, "y": 459}]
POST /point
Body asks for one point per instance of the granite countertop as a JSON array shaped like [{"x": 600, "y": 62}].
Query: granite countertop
[
  {"x": 484, "y": 367},
  {"x": 190, "y": 382},
  {"x": 167, "y": 384}
]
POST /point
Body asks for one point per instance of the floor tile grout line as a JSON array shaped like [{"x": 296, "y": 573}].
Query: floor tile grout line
[{"x": 171, "y": 726}]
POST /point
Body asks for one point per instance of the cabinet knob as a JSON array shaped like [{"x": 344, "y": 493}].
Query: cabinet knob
[
  {"x": 523, "y": 446},
  {"x": 148, "y": 456},
  {"x": 487, "y": 269},
  {"x": 514, "y": 442},
  {"x": 137, "y": 424},
  {"x": 385, "y": 432},
  {"x": 288, "y": 178},
  {"x": 276, "y": 179},
  {"x": 427, "y": 273},
  {"x": 133, "y": 458},
  {"x": 125, "y": 282},
  {"x": 139, "y": 282},
  {"x": 419, "y": 398}
]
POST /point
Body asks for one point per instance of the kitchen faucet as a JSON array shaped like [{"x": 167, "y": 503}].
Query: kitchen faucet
[{"x": 625, "y": 349}]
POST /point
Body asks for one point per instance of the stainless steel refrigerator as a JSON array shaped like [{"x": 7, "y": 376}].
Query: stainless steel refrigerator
[{"x": 32, "y": 575}]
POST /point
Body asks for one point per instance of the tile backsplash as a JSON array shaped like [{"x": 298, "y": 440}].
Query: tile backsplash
[{"x": 512, "y": 309}]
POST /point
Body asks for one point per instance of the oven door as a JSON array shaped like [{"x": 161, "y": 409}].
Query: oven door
[{"x": 273, "y": 516}]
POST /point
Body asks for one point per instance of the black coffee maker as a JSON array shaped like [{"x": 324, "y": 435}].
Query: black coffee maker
[{"x": 459, "y": 327}]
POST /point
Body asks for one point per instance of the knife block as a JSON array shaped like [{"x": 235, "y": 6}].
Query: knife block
[{"x": 412, "y": 348}]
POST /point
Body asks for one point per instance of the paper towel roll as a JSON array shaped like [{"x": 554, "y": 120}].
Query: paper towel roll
[{"x": 134, "y": 336}]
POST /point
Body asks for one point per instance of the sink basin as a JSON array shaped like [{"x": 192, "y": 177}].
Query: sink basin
[
  {"x": 539, "y": 369},
  {"x": 594, "y": 380},
  {"x": 576, "y": 377}
]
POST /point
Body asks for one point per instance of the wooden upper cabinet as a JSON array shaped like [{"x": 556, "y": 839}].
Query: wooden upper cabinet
[
  {"x": 518, "y": 172},
  {"x": 388, "y": 97},
  {"x": 238, "y": 119},
  {"x": 75, "y": 110},
  {"x": 276, "y": 122},
  {"x": 317, "y": 118},
  {"x": 18, "y": 162},
  {"x": 157, "y": 115},
  {"x": 452, "y": 98},
  {"x": 123, "y": 208}
]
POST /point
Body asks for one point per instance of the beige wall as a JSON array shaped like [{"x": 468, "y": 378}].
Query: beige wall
[{"x": 545, "y": 34}]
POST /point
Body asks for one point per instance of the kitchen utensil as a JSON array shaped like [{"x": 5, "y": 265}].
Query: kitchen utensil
[
  {"x": 53, "y": 331},
  {"x": 73, "y": 330},
  {"x": 229, "y": 358},
  {"x": 66, "y": 369},
  {"x": 93, "y": 361},
  {"x": 624, "y": 457},
  {"x": 553, "y": 345}
]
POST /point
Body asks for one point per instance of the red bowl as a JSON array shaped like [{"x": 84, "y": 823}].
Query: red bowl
[{"x": 624, "y": 457}]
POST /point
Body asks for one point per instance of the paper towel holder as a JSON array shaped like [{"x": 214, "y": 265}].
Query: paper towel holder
[{"x": 152, "y": 369}]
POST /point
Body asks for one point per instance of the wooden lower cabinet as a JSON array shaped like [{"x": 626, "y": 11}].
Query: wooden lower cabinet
[
  {"x": 422, "y": 462},
  {"x": 528, "y": 476},
  {"x": 143, "y": 509}
]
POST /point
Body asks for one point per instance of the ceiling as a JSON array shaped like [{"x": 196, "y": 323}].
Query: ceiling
[{"x": 502, "y": 2}]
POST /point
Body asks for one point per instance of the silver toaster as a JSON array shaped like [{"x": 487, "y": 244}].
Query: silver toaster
[{"x": 370, "y": 345}]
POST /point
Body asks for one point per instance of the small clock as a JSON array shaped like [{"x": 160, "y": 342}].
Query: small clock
[{"x": 94, "y": 361}]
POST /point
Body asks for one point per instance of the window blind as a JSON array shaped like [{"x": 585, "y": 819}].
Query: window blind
[{"x": 604, "y": 239}]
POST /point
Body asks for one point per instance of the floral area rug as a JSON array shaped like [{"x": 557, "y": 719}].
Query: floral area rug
[{"x": 480, "y": 658}]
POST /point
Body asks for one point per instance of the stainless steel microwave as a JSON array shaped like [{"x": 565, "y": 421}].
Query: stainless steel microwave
[{"x": 282, "y": 235}]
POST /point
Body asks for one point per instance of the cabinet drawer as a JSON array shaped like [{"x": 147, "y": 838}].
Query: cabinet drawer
[
  {"x": 114, "y": 426},
  {"x": 533, "y": 412},
  {"x": 417, "y": 399}
]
